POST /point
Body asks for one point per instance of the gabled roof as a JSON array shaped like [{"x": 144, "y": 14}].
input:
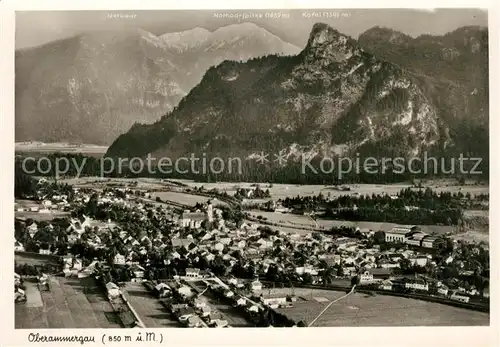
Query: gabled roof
[
  {"x": 111, "y": 285},
  {"x": 178, "y": 242},
  {"x": 195, "y": 216},
  {"x": 380, "y": 271},
  {"x": 400, "y": 230}
]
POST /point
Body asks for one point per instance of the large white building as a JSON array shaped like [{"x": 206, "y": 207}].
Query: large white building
[
  {"x": 400, "y": 234},
  {"x": 192, "y": 220}
]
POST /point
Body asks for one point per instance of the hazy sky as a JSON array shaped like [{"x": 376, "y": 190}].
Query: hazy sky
[{"x": 35, "y": 28}]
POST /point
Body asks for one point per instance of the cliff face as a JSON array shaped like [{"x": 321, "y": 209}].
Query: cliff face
[
  {"x": 94, "y": 87},
  {"x": 331, "y": 98}
]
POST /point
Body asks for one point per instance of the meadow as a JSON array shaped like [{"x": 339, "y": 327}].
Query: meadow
[
  {"x": 282, "y": 191},
  {"x": 361, "y": 310},
  {"x": 69, "y": 304},
  {"x": 288, "y": 219}
]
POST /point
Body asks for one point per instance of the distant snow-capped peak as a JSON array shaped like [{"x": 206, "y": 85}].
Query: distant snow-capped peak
[{"x": 226, "y": 35}]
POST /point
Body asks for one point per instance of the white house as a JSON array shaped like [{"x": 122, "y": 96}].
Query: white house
[
  {"x": 417, "y": 285},
  {"x": 241, "y": 301},
  {"x": 228, "y": 293},
  {"x": 366, "y": 277},
  {"x": 113, "y": 290},
  {"x": 18, "y": 246},
  {"x": 185, "y": 291},
  {"x": 137, "y": 272},
  {"x": 460, "y": 297},
  {"x": 119, "y": 259},
  {"x": 193, "y": 272},
  {"x": 443, "y": 291},
  {"x": 420, "y": 261},
  {"x": 32, "y": 229},
  {"x": 163, "y": 290},
  {"x": 256, "y": 285},
  {"x": 386, "y": 285},
  {"x": 273, "y": 300}
]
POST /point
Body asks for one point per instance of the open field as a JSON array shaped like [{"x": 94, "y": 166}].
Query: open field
[
  {"x": 358, "y": 310},
  {"x": 37, "y": 216},
  {"x": 152, "y": 313},
  {"x": 473, "y": 236},
  {"x": 101, "y": 182},
  {"x": 40, "y": 147},
  {"x": 282, "y": 191},
  {"x": 70, "y": 303},
  {"x": 41, "y": 216},
  {"x": 33, "y": 295},
  {"x": 35, "y": 259},
  {"x": 185, "y": 199},
  {"x": 305, "y": 221},
  {"x": 477, "y": 213}
]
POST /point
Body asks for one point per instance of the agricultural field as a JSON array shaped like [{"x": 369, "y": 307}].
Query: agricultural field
[
  {"x": 185, "y": 199},
  {"x": 472, "y": 236},
  {"x": 35, "y": 259},
  {"x": 47, "y": 148},
  {"x": 282, "y": 191},
  {"x": 152, "y": 313},
  {"x": 35, "y": 215},
  {"x": 142, "y": 183},
  {"x": 41, "y": 216},
  {"x": 70, "y": 303},
  {"x": 306, "y": 221},
  {"x": 360, "y": 310},
  {"x": 477, "y": 213}
]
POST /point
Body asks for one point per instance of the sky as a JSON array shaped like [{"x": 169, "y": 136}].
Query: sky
[{"x": 38, "y": 27}]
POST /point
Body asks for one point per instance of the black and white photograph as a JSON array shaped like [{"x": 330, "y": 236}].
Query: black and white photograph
[{"x": 251, "y": 169}]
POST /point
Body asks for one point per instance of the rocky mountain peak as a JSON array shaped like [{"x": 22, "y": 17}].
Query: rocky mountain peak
[{"x": 325, "y": 44}]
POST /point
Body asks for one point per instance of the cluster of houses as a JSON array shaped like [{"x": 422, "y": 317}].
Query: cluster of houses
[
  {"x": 47, "y": 205},
  {"x": 19, "y": 293},
  {"x": 184, "y": 303},
  {"x": 384, "y": 279},
  {"x": 204, "y": 234}
]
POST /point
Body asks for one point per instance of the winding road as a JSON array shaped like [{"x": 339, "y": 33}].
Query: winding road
[{"x": 330, "y": 304}]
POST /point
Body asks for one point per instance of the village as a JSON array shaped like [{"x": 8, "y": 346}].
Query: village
[{"x": 209, "y": 266}]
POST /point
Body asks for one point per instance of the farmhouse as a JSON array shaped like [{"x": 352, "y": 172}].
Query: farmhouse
[
  {"x": 113, "y": 290},
  {"x": 386, "y": 285},
  {"x": 374, "y": 275},
  {"x": 18, "y": 246},
  {"x": 193, "y": 272},
  {"x": 273, "y": 300},
  {"x": 162, "y": 290},
  {"x": 119, "y": 259},
  {"x": 432, "y": 242},
  {"x": 420, "y": 260},
  {"x": 256, "y": 285},
  {"x": 417, "y": 284},
  {"x": 460, "y": 297},
  {"x": 137, "y": 272}
]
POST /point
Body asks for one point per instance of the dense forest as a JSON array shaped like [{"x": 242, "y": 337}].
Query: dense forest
[{"x": 245, "y": 170}]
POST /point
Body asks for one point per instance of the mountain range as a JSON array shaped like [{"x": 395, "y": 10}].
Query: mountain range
[
  {"x": 93, "y": 87},
  {"x": 384, "y": 94}
]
